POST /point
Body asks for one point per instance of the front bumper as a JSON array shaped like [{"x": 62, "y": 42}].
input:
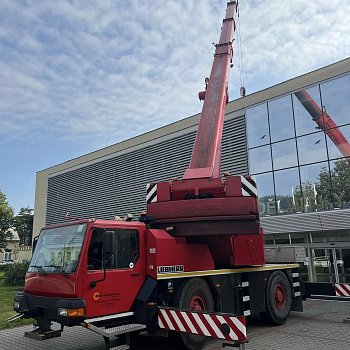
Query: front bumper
[{"x": 46, "y": 308}]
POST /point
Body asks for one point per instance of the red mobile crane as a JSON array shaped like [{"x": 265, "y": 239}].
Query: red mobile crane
[
  {"x": 325, "y": 122},
  {"x": 193, "y": 264}
]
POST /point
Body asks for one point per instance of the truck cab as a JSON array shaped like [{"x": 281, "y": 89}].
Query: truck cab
[{"x": 84, "y": 269}]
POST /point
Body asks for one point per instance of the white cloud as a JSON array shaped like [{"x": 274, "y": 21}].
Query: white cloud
[
  {"x": 73, "y": 70},
  {"x": 288, "y": 38}
]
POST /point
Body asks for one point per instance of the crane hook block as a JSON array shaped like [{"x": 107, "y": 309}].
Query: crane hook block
[{"x": 201, "y": 94}]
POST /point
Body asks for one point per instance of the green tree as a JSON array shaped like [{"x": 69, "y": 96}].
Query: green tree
[
  {"x": 307, "y": 197},
  {"x": 336, "y": 189},
  {"x": 289, "y": 204},
  {"x": 23, "y": 223},
  {"x": 6, "y": 220}
]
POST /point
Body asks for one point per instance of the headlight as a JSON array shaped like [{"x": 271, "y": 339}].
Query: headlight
[
  {"x": 16, "y": 305},
  {"x": 62, "y": 312},
  {"x": 71, "y": 312}
]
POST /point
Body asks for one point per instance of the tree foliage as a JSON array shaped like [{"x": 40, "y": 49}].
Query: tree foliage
[
  {"x": 23, "y": 223},
  {"x": 306, "y": 196},
  {"x": 338, "y": 186},
  {"x": 6, "y": 220},
  {"x": 15, "y": 274},
  {"x": 328, "y": 191}
]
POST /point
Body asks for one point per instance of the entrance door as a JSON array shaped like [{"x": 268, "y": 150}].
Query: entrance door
[
  {"x": 330, "y": 264},
  {"x": 344, "y": 267}
]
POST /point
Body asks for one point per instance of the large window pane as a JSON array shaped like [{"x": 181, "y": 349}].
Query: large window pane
[
  {"x": 340, "y": 137},
  {"x": 281, "y": 119},
  {"x": 315, "y": 185},
  {"x": 340, "y": 174},
  {"x": 312, "y": 148},
  {"x": 284, "y": 154},
  {"x": 257, "y": 126},
  {"x": 304, "y": 102},
  {"x": 335, "y": 98},
  {"x": 260, "y": 160},
  {"x": 266, "y": 200},
  {"x": 286, "y": 183}
]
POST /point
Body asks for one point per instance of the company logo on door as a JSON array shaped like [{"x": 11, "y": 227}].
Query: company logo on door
[
  {"x": 105, "y": 296},
  {"x": 170, "y": 269}
]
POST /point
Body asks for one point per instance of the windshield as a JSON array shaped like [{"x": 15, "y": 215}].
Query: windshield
[{"x": 58, "y": 249}]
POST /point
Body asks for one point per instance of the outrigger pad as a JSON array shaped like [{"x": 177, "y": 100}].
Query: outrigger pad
[{"x": 35, "y": 334}]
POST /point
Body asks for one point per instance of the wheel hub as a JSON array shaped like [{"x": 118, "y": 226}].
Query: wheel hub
[
  {"x": 279, "y": 296},
  {"x": 197, "y": 303}
]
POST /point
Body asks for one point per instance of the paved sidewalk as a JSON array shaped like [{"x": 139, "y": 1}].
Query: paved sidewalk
[{"x": 319, "y": 327}]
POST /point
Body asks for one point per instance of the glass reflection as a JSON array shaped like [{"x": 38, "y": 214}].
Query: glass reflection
[
  {"x": 335, "y": 98},
  {"x": 316, "y": 187},
  {"x": 312, "y": 148},
  {"x": 340, "y": 174},
  {"x": 257, "y": 125},
  {"x": 281, "y": 118},
  {"x": 266, "y": 200},
  {"x": 284, "y": 154},
  {"x": 341, "y": 137},
  {"x": 303, "y": 100},
  {"x": 286, "y": 183},
  {"x": 260, "y": 160}
]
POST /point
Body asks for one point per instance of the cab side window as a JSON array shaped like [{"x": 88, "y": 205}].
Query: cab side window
[
  {"x": 95, "y": 252},
  {"x": 123, "y": 254},
  {"x": 127, "y": 248}
]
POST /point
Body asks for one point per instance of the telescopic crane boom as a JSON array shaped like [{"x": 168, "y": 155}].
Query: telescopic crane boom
[
  {"x": 206, "y": 154},
  {"x": 204, "y": 207}
]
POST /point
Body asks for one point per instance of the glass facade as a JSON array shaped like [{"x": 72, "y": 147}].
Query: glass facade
[
  {"x": 299, "y": 147},
  {"x": 327, "y": 254}
]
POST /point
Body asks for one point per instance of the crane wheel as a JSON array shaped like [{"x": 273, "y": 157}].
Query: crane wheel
[
  {"x": 194, "y": 294},
  {"x": 278, "y": 299}
]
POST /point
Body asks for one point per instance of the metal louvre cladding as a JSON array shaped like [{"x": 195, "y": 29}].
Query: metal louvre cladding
[
  {"x": 307, "y": 222},
  {"x": 117, "y": 185}
]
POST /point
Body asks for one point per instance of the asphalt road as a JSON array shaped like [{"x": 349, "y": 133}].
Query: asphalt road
[{"x": 321, "y": 326}]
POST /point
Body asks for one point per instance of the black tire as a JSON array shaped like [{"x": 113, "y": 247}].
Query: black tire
[
  {"x": 194, "y": 294},
  {"x": 278, "y": 298}
]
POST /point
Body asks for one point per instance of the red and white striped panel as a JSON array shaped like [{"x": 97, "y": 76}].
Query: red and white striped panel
[
  {"x": 342, "y": 290},
  {"x": 212, "y": 325}
]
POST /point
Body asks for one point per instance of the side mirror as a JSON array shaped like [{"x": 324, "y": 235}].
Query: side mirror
[
  {"x": 108, "y": 241},
  {"x": 108, "y": 260},
  {"x": 108, "y": 249},
  {"x": 35, "y": 241}
]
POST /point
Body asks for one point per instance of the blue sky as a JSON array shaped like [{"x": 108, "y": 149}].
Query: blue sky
[{"x": 77, "y": 76}]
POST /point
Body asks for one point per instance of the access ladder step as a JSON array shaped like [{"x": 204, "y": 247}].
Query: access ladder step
[
  {"x": 128, "y": 328},
  {"x": 115, "y": 331}
]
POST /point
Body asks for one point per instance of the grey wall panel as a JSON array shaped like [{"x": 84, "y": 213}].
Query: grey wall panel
[
  {"x": 116, "y": 186},
  {"x": 291, "y": 223},
  {"x": 333, "y": 220}
]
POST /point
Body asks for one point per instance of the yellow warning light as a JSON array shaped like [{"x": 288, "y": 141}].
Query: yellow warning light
[
  {"x": 75, "y": 312},
  {"x": 71, "y": 312}
]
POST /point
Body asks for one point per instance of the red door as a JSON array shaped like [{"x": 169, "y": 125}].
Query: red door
[{"x": 112, "y": 288}]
